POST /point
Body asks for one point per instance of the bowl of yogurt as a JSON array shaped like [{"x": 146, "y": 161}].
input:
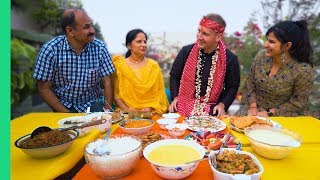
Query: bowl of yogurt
[{"x": 272, "y": 143}]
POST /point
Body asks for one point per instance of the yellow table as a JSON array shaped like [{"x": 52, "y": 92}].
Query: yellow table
[
  {"x": 25, "y": 167},
  {"x": 306, "y": 126},
  {"x": 302, "y": 164}
]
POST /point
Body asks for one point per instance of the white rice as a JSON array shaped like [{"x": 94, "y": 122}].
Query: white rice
[{"x": 116, "y": 146}]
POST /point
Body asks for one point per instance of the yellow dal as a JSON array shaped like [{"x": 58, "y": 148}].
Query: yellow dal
[{"x": 173, "y": 154}]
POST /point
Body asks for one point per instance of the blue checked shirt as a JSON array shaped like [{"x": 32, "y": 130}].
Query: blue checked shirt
[{"x": 75, "y": 77}]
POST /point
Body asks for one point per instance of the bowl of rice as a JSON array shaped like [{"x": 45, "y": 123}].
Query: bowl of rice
[{"x": 124, "y": 153}]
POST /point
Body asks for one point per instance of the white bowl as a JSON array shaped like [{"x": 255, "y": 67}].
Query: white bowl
[
  {"x": 113, "y": 165},
  {"x": 171, "y": 115},
  {"x": 63, "y": 123},
  {"x": 98, "y": 115},
  {"x": 47, "y": 151},
  {"x": 164, "y": 122},
  {"x": 173, "y": 172},
  {"x": 220, "y": 175},
  {"x": 177, "y": 129}
]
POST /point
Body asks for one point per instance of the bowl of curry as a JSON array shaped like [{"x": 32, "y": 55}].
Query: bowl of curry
[
  {"x": 48, "y": 144},
  {"x": 136, "y": 126}
]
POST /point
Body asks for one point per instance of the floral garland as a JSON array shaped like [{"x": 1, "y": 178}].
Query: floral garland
[{"x": 199, "y": 107}]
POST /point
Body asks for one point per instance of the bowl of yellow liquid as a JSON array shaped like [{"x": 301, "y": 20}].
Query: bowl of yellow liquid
[{"x": 169, "y": 157}]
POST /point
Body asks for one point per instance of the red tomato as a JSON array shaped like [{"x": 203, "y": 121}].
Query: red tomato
[
  {"x": 215, "y": 145},
  {"x": 205, "y": 142}
]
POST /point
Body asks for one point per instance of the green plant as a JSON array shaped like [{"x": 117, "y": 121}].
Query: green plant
[{"x": 22, "y": 61}]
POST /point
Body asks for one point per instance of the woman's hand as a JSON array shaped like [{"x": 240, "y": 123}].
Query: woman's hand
[
  {"x": 253, "y": 111},
  {"x": 262, "y": 114},
  {"x": 146, "y": 109},
  {"x": 173, "y": 105},
  {"x": 130, "y": 110}
]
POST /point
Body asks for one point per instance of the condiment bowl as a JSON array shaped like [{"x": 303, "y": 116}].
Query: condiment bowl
[
  {"x": 171, "y": 115},
  {"x": 125, "y": 152},
  {"x": 180, "y": 171},
  {"x": 163, "y": 122},
  {"x": 177, "y": 129},
  {"x": 47, "y": 151},
  {"x": 272, "y": 148},
  {"x": 136, "y": 130}
]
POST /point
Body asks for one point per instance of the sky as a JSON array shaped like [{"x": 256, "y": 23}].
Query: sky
[{"x": 179, "y": 19}]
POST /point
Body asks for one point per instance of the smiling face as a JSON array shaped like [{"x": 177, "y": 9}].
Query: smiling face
[
  {"x": 273, "y": 46},
  {"x": 207, "y": 39},
  {"x": 83, "y": 31},
  {"x": 139, "y": 45}
]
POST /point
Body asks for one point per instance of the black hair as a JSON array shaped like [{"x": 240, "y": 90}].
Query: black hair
[
  {"x": 131, "y": 36},
  {"x": 68, "y": 19},
  {"x": 297, "y": 33}
]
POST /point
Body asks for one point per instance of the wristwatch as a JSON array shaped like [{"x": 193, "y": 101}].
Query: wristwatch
[{"x": 269, "y": 112}]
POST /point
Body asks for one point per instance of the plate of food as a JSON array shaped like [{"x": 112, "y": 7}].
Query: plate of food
[
  {"x": 153, "y": 136},
  {"x": 238, "y": 123},
  {"x": 213, "y": 141},
  {"x": 79, "y": 120},
  {"x": 114, "y": 117},
  {"x": 204, "y": 123}
]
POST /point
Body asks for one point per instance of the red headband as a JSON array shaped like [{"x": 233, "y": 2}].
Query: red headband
[{"x": 206, "y": 22}]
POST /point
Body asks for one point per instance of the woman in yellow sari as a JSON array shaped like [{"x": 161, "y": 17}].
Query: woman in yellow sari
[{"x": 138, "y": 81}]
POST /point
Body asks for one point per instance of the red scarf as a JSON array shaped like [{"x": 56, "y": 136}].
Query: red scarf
[{"x": 186, "y": 96}]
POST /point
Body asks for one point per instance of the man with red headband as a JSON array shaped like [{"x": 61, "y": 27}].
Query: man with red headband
[{"x": 205, "y": 76}]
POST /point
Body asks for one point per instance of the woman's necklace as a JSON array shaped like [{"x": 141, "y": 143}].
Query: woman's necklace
[
  {"x": 135, "y": 62},
  {"x": 199, "y": 107}
]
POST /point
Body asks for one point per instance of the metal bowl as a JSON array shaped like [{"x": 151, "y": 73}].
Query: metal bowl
[{"x": 47, "y": 151}]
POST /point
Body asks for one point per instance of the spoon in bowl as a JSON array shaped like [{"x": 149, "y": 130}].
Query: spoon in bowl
[
  {"x": 43, "y": 129},
  {"x": 103, "y": 149}
]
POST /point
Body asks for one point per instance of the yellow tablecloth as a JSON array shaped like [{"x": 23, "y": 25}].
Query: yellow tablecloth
[
  {"x": 25, "y": 167},
  {"x": 302, "y": 164},
  {"x": 306, "y": 126}
]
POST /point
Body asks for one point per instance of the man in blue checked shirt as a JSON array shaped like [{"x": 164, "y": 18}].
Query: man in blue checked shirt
[{"x": 70, "y": 67}]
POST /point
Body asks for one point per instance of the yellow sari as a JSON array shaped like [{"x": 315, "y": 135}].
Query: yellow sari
[{"x": 139, "y": 88}]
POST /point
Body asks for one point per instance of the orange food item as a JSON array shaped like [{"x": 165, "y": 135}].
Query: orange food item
[
  {"x": 215, "y": 145},
  {"x": 246, "y": 121},
  {"x": 137, "y": 123}
]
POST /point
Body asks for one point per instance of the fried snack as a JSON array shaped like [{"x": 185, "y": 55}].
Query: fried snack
[
  {"x": 246, "y": 121},
  {"x": 242, "y": 122},
  {"x": 150, "y": 137}
]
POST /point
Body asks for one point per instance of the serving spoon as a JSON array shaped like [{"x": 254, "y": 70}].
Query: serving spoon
[
  {"x": 104, "y": 149},
  {"x": 43, "y": 129}
]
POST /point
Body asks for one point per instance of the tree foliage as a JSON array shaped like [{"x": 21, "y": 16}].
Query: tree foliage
[{"x": 22, "y": 62}]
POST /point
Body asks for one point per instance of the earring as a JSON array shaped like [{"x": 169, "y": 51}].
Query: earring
[{"x": 283, "y": 58}]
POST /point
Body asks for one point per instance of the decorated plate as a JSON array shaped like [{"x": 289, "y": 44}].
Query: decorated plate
[{"x": 205, "y": 123}]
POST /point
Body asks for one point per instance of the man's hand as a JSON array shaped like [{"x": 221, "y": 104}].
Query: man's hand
[
  {"x": 173, "y": 105},
  {"x": 219, "y": 109}
]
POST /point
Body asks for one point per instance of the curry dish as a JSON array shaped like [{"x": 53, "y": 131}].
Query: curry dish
[
  {"x": 232, "y": 163},
  {"x": 137, "y": 123},
  {"x": 45, "y": 139}
]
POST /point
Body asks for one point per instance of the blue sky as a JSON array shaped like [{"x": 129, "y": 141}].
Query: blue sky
[{"x": 178, "y": 18}]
